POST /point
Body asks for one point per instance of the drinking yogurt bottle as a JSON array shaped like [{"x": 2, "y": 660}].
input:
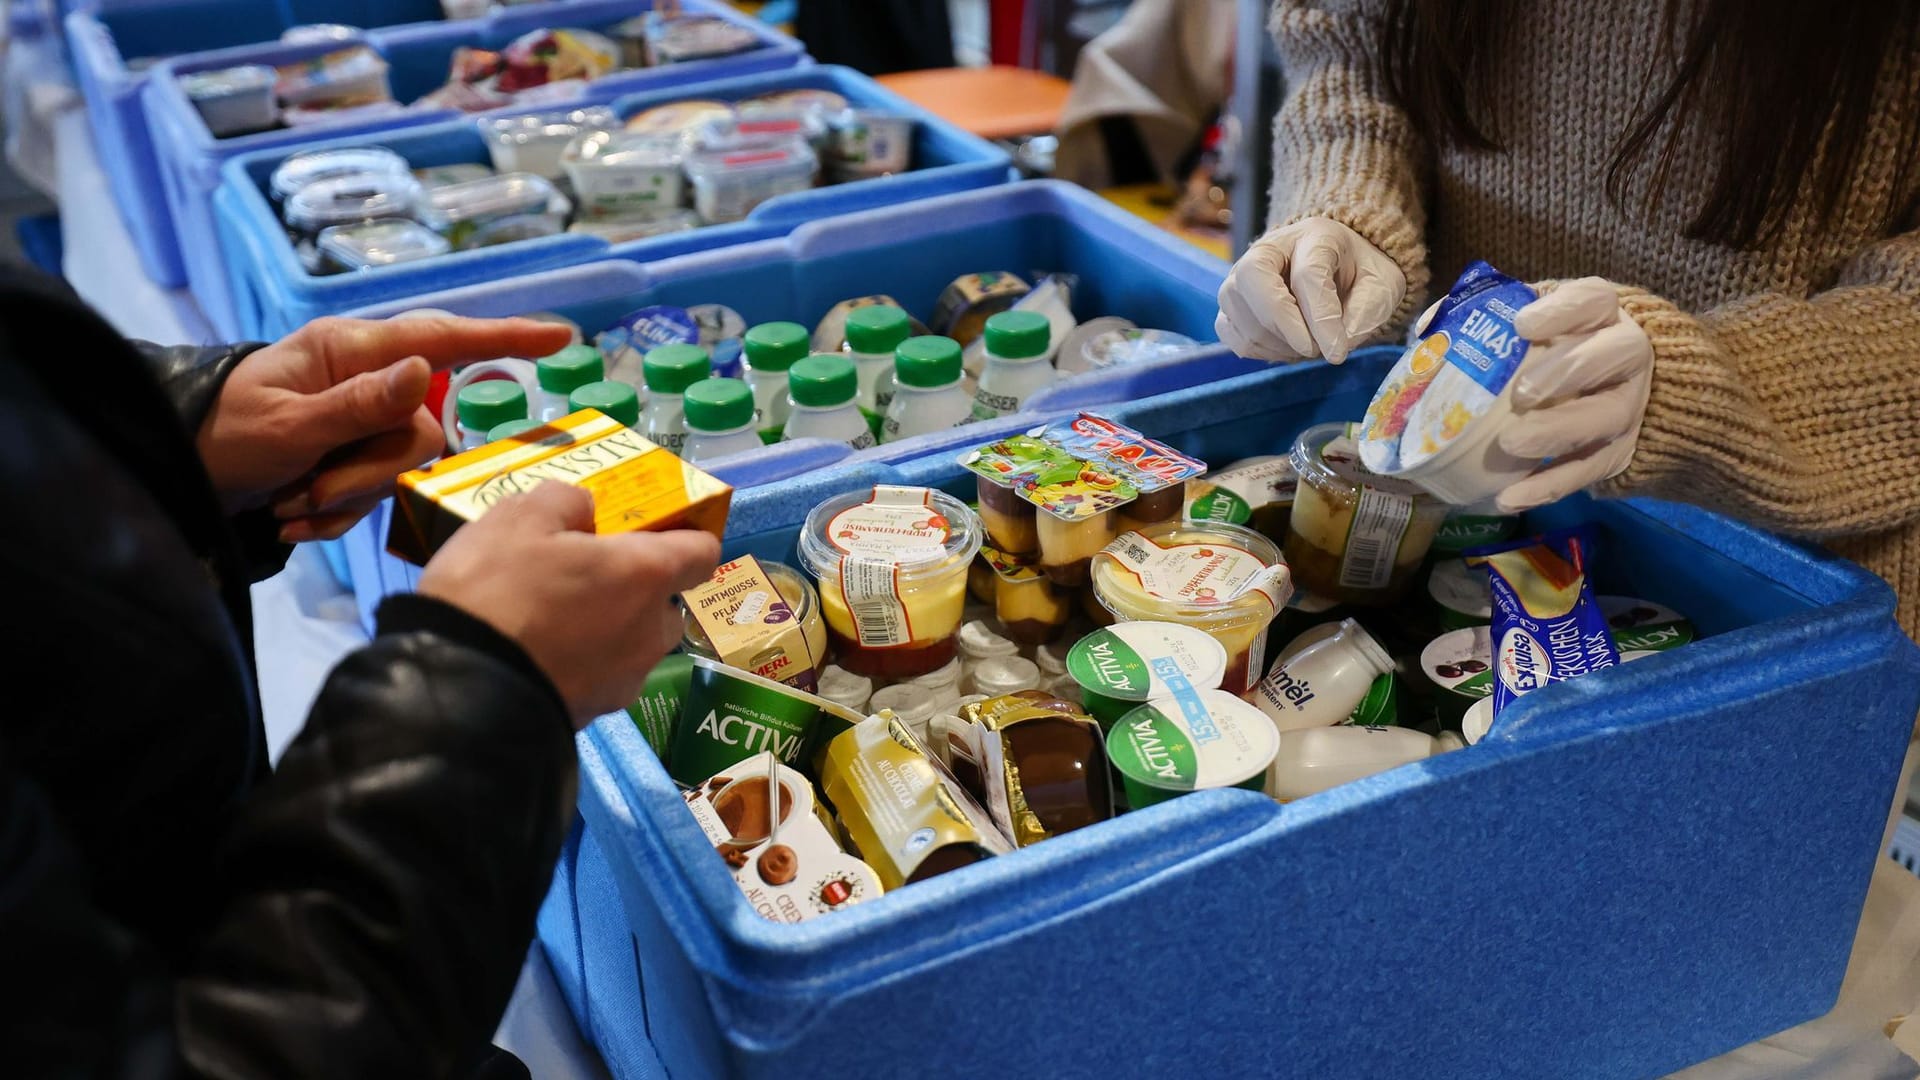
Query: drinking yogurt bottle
[
  {"x": 927, "y": 395},
  {"x": 561, "y": 374},
  {"x": 669, "y": 370},
  {"x": 771, "y": 350},
  {"x": 1321, "y": 685}
]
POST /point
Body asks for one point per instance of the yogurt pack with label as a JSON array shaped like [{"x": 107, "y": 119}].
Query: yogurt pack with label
[{"x": 1436, "y": 418}]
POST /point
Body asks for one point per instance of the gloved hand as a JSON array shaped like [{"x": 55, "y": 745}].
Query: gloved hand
[
  {"x": 1313, "y": 288},
  {"x": 1581, "y": 394}
]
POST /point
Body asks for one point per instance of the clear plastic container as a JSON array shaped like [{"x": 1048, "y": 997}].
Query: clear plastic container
[
  {"x": 771, "y": 350},
  {"x": 483, "y": 406},
  {"x": 355, "y": 75},
  {"x": 1354, "y": 536},
  {"x": 822, "y": 396},
  {"x": 719, "y": 419},
  {"x": 234, "y": 100},
  {"x": 728, "y": 185},
  {"x": 619, "y": 172},
  {"x": 927, "y": 395},
  {"x": 798, "y": 592},
  {"x": 536, "y": 144},
  {"x": 471, "y": 215},
  {"x": 625, "y": 227},
  {"x": 872, "y": 334},
  {"x": 756, "y": 128},
  {"x": 561, "y": 374},
  {"x": 892, "y": 567},
  {"x": 313, "y": 166},
  {"x": 1224, "y": 580},
  {"x": 669, "y": 370},
  {"x": 348, "y": 200},
  {"x": 867, "y": 143},
  {"x": 678, "y": 120},
  {"x": 373, "y": 244},
  {"x": 675, "y": 39},
  {"x": 1031, "y": 608},
  {"x": 1017, "y": 365},
  {"x": 1124, "y": 348},
  {"x": 462, "y": 172}
]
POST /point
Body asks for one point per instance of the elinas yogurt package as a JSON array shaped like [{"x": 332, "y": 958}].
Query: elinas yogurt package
[{"x": 1436, "y": 418}]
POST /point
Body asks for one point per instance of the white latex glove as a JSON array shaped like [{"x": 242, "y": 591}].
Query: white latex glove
[
  {"x": 1581, "y": 395},
  {"x": 1313, "y": 288}
]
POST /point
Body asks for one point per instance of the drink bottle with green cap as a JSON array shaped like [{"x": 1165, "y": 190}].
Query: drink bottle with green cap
[
  {"x": 873, "y": 333},
  {"x": 614, "y": 398},
  {"x": 771, "y": 350},
  {"x": 669, "y": 370},
  {"x": 1017, "y": 366},
  {"x": 511, "y": 428},
  {"x": 824, "y": 392},
  {"x": 720, "y": 420},
  {"x": 927, "y": 395},
  {"x": 486, "y": 405},
  {"x": 561, "y": 374}
]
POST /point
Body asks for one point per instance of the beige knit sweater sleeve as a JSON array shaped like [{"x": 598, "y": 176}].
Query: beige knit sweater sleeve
[
  {"x": 1800, "y": 414},
  {"x": 1341, "y": 148}
]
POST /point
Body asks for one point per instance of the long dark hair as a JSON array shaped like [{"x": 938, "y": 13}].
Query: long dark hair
[{"x": 1786, "y": 81}]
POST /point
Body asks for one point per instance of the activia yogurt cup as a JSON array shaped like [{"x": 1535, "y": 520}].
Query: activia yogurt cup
[
  {"x": 892, "y": 565},
  {"x": 1190, "y": 742},
  {"x": 1354, "y": 536},
  {"x": 730, "y": 715},
  {"x": 1461, "y": 594},
  {"x": 1224, "y": 580},
  {"x": 1128, "y": 664},
  {"x": 1644, "y": 626}
]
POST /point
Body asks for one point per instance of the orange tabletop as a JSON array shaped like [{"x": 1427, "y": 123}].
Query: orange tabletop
[{"x": 991, "y": 102}]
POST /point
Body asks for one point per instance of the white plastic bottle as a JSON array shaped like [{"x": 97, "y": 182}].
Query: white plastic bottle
[
  {"x": 771, "y": 350},
  {"x": 1312, "y": 760},
  {"x": 927, "y": 395},
  {"x": 1321, "y": 684},
  {"x": 719, "y": 419},
  {"x": 873, "y": 334},
  {"x": 823, "y": 399},
  {"x": 1017, "y": 366},
  {"x": 616, "y": 399},
  {"x": 485, "y": 405},
  {"x": 669, "y": 370},
  {"x": 561, "y": 374}
]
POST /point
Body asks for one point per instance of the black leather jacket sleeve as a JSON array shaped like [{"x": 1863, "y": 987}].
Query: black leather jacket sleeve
[
  {"x": 373, "y": 896},
  {"x": 191, "y": 376}
]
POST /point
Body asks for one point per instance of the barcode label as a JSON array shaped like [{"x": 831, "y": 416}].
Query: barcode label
[
  {"x": 873, "y": 596},
  {"x": 1379, "y": 524}
]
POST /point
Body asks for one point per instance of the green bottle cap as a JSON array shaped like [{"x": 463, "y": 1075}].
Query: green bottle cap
[
  {"x": 719, "y": 405},
  {"x": 570, "y": 369},
  {"x": 670, "y": 369},
  {"x": 879, "y": 328},
  {"x": 616, "y": 399},
  {"x": 775, "y": 346},
  {"x": 1017, "y": 335},
  {"x": 511, "y": 428},
  {"x": 822, "y": 382},
  {"x": 927, "y": 362},
  {"x": 484, "y": 406}
]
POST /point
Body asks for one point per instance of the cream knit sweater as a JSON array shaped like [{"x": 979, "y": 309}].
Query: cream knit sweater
[{"x": 1786, "y": 382}]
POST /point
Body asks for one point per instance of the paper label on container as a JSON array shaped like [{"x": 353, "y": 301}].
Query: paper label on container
[
  {"x": 751, "y": 625},
  {"x": 896, "y": 527},
  {"x": 1198, "y": 574},
  {"x": 1380, "y": 521}
]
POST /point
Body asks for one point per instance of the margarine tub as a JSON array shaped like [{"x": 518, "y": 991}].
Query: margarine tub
[
  {"x": 1222, "y": 579},
  {"x": 1354, "y": 536},
  {"x": 892, "y": 564},
  {"x": 1123, "y": 666},
  {"x": 1436, "y": 419},
  {"x": 1190, "y": 742}
]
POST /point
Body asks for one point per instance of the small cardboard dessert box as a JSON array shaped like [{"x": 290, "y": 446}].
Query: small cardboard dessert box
[
  {"x": 636, "y": 486},
  {"x": 791, "y": 874}
]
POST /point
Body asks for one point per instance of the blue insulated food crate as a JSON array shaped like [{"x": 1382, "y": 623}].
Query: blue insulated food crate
[
  {"x": 114, "y": 43},
  {"x": 190, "y": 158},
  {"x": 1634, "y": 871},
  {"x": 273, "y": 294}
]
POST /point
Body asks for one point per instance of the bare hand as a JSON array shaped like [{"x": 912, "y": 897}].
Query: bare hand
[
  {"x": 323, "y": 420},
  {"x": 595, "y": 612}
]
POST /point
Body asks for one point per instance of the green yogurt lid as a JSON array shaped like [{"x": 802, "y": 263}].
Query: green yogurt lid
[
  {"x": 1209, "y": 739},
  {"x": 1138, "y": 661}
]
